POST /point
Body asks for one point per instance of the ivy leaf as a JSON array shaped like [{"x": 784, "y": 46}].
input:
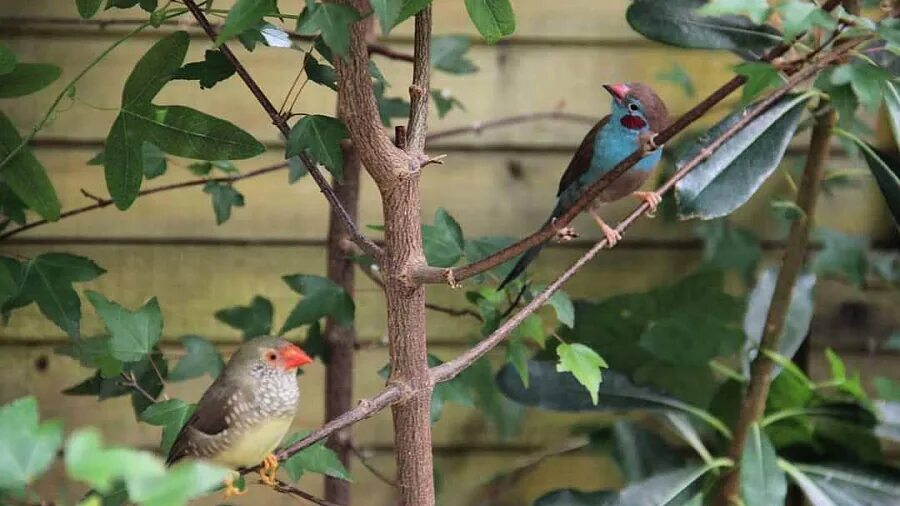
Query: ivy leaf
[
  {"x": 841, "y": 255},
  {"x": 321, "y": 297},
  {"x": 840, "y": 484},
  {"x": 253, "y": 320},
  {"x": 728, "y": 178},
  {"x": 760, "y": 77},
  {"x": 756, "y": 10},
  {"x": 171, "y": 415},
  {"x": 245, "y": 14},
  {"x": 25, "y": 175},
  {"x": 214, "y": 68},
  {"x": 321, "y": 137},
  {"x": 444, "y": 101},
  {"x": 27, "y": 78},
  {"x": 391, "y": 13},
  {"x": 315, "y": 459},
  {"x": 7, "y": 60},
  {"x": 133, "y": 334},
  {"x": 88, "y": 8},
  {"x": 224, "y": 197},
  {"x": 201, "y": 357},
  {"x": 143, "y": 372},
  {"x": 448, "y": 53},
  {"x": 494, "y": 19},
  {"x": 319, "y": 73},
  {"x": 584, "y": 363},
  {"x": 443, "y": 241},
  {"x": 333, "y": 21},
  {"x": 762, "y": 481},
  {"x": 27, "y": 447},
  {"x": 93, "y": 353}
]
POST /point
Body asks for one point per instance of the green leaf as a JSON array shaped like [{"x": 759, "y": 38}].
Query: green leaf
[
  {"x": 763, "y": 483},
  {"x": 93, "y": 353},
  {"x": 321, "y": 137},
  {"x": 296, "y": 169},
  {"x": 87, "y": 461},
  {"x": 154, "y": 70},
  {"x": 153, "y": 160},
  {"x": 123, "y": 162},
  {"x": 842, "y": 484},
  {"x": 728, "y": 178},
  {"x": 443, "y": 241},
  {"x": 88, "y": 8},
  {"x": 531, "y": 328},
  {"x": 796, "y": 323},
  {"x": 133, "y": 334},
  {"x": 584, "y": 363},
  {"x": 444, "y": 101},
  {"x": 483, "y": 247},
  {"x": 267, "y": 33},
  {"x": 321, "y": 297},
  {"x": 314, "y": 345},
  {"x": 185, "y": 481},
  {"x": 201, "y": 357},
  {"x": 245, "y": 14},
  {"x": 203, "y": 169},
  {"x": 319, "y": 73},
  {"x": 676, "y": 75},
  {"x": 756, "y": 10},
  {"x": 25, "y": 175},
  {"x": 48, "y": 282},
  {"x": 390, "y": 107},
  {"x": 27, "y": 78},
  {"x": 760, "y": 77},
  {"x": 560, "y": 302},
  {"x": 27, "y": 447},
  {"x": 886, "y": 169},
  {"x": 517, "y": 354},
  {"x": 253, "y": 320},
  {"x": 639, "y": 453},
  {"x": 108, "y": 386},
  {"x": 841, "y": 255},
  {"x": 391, "y": 13},
  {"x": 572, "y": 497},
  {"x": 892, "y": 104},
  {"x": 448, "y": 53},
  {"x": 214, "y": 68},
  {"x": 7, "y": 60},
  {"x": 729, "y": 248},
  {"x": 315, "y": 459},
  {"x": 687, "y": 340},
  {"x": 866, "y": 81},
  {"x": 494, "y": 19},
  {"x": 171, "y": 415},
  {"x": 224, "y": 196},
  {"x": 677, "y": 23},
  {"x": 333, "y": 21}
]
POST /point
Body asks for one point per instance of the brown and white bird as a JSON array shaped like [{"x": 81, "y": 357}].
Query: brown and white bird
[{"x": 245, "y": 413}]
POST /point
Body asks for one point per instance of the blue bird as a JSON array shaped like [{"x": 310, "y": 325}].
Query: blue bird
[{"x": 637, "y": 111}]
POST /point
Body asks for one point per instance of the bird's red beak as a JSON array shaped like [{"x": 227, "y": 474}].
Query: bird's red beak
[
  {"x": 617, "y": 90},
  {"x": 293, "y": 357}
]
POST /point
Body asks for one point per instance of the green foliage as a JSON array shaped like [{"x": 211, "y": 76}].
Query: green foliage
[
  {"x": 458, "y": 390},
  {"x": 756, "y": 10},
  {"x": 319, "y": 73},
  {"x": 24, "y": 174},
  {"x": 892, "y": 105},
  {"x": 443, "y": 242},
  {"x": 201, "y": 357},
  {"x": 332, "y": 21},
  {"x": 842, "y": 256},
  {"x": 584, "y": 364},
  {"x": 266, "y": 33},
  {"x": 832, "y": 485},
  {"x": 315, "y": 459},
  {"x": 27, "y": 447},
  {"x": 106, "y": 386},
  {"x": 204, "y": 169},
  {"x": 494, "y": 19},
  {"x": 448, "y": 53},
  {"x": 253, "y": 320},
  {"x": 244, "y": 15},
  {"x": 760, "y": 77},
  {"x": 320, "y": 137},
  {"x": 391, "y": 13},
  {"x": 214, "y": 68},
  {"x": 886, "y": 169},
  {"x": 224, "y": 197},
  {"x": 639, "y": 453},
  {"x": 133, "y": 334},
  {"x": 154, "y": 160},
  {"x": 762, "y": 481},
  {"x": 27, "y": 78},
  {"x": 726, "y": 247},
  {"x": 728, "y": 178},
  {"x": 390, "y": 107},
  {"x": 88, "y": 8},
  {"x": 677, "y": 75},
  {"x": 321, "y": 297},
  {"x": 444, "y": 102},
  {"x": 171, "y": 415}
]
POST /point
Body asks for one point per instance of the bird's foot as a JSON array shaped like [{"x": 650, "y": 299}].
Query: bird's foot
[
  {"x": 564, "y": 234},
  {"x": 652, "y": 199},
  {"x": 268, "y": 470},
  {"x": 612, "y": 235},
  {"x": 230, "y": 489}
]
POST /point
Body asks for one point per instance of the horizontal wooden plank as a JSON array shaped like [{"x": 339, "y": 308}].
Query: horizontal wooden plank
[
  {"x": 515, "y": 190},
  {"x": 503, "y": 86},
  {"x": 574, "y": 20}
]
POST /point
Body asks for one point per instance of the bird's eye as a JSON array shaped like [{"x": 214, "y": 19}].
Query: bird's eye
[
  {"x": 633, "y": 107},
  {"x": 271, "y": 356}
]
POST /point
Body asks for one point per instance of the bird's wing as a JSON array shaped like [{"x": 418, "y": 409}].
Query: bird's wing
[
  {"x": 581, "y": 161},
  {"x": 216, "y": 407}
]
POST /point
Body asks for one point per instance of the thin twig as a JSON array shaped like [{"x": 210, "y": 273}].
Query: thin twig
[
  {"x": 364, "y": 242},
  {"x": 131, "y": 382},
  {"x": 287, "y": 488},
  {"x": 364, "y": 460}
]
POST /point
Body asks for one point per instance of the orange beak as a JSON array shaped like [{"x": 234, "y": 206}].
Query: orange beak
[
  {"x": 617, "y": 90},
  {"x": 293, "y": 357}
]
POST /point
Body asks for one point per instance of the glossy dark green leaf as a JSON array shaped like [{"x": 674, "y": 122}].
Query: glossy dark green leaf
[
  {"x": 319, "y": 73},
  {"x": 443, "y": 241},
  {"x": 321, "y": 297},
  {"x": 333, "y": 21},
  {"x": 171, "y": 415},
  {"x": 892, "y": 104},
  {"x": 315, "y": 459},
  {"x": 502, "y": 413},
  {"x": 638, "y": 452},
  {"x": 224, "y": 197},
  {"x": 133, "y": 334},
  {"x": 7, "y": 59},
  {"x": 48, "y": 282},
  {"x": 11, "y": 206},
  {"x": 154, "y": 70},
  {"x": 839, "y": 484},
  {"x": 252, "y": 320},
  {"x": 214, "y": 68},
  {"x": 494, "y": 19},
  {"x": 676, "y": 22},
  {"x": 108, "y": 387},
  {"x": 201, "y": 357},
  {"x": 88, "y": 8},
  {"x": 733, "y": 173},
  {"x": 243, "y": 15},
  {"x": 314, "y": 345},
  {"x": 27, "y": 78},
  {"x": 9, "y": 286},
  {"x": 886, "y": 169},
  {"x": 763, "y": 483},
  {"x": 28, "y": 446},
  {"x": 123, "y": 162},
  {"x": 391, "y": 13},
  {"x": 448, "y": 53},
  {"x": 25, "y": 175},
  {"x": 320, "y": 136}
]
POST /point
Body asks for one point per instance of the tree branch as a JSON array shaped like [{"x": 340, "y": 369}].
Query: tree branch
[
  {"x": 428, "y": 274},
  {"x": 420, "y": 87},
  {"x": 287, "y": 488},
  {"x": 364, "y": 242}
]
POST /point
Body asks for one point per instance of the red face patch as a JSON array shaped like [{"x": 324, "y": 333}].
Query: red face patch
[{"x": 633, "y": 122}]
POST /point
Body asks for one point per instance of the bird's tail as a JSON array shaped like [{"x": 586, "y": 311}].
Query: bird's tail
[{"x": 531, "y": 254}]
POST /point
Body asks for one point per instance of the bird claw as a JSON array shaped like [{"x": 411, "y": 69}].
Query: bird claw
[
  {"x": 564, "y": 234},
  {"x": 230, "y": 489},
  {"x": 652, "y": 199},
  {"x": 613, "y": 236},
  {"x": 268, "y": 470}
]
